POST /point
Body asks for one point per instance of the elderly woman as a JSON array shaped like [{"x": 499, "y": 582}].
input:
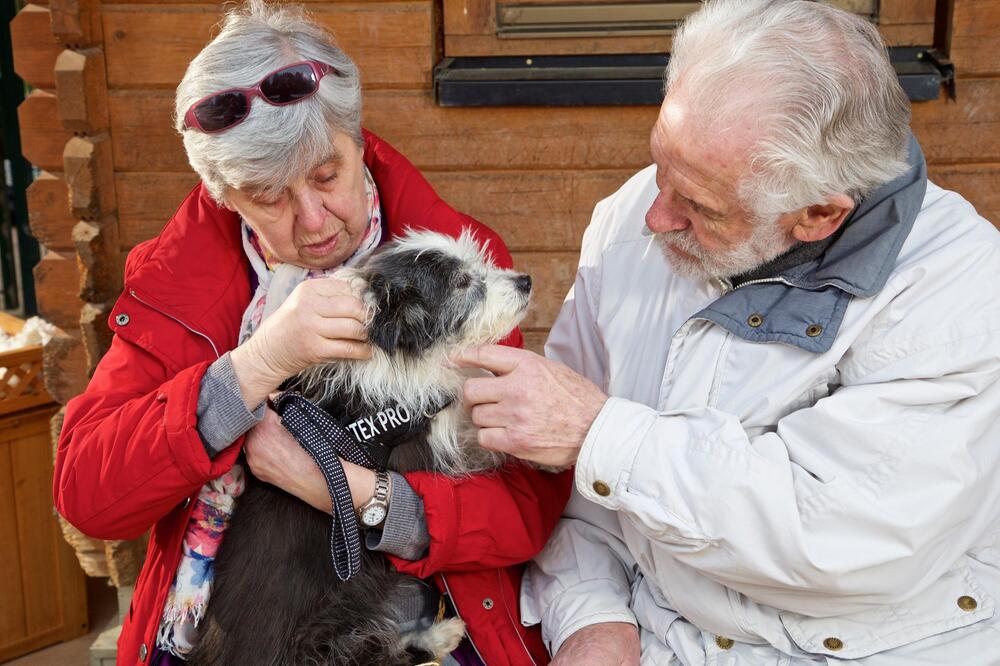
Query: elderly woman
[{"x": 219, "y": 310}]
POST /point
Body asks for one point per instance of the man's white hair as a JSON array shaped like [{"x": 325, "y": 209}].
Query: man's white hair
[
  {"x": 815, "y": 81},
  {"x": 275, "y": 144}
]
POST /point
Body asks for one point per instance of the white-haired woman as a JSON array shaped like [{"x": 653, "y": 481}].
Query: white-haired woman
[{"x": 219, "y": 309}]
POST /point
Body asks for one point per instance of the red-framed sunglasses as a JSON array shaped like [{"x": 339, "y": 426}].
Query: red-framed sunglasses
[{"x": 228, "y": 108}]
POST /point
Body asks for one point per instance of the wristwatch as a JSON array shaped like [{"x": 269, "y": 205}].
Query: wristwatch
[{"x": 373, "y": 512}]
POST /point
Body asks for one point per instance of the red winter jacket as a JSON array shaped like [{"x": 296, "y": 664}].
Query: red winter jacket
[{"x": 130, "y": 457}]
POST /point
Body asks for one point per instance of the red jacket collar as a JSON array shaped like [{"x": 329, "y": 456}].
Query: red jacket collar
[{"x": 196, "y": 271}]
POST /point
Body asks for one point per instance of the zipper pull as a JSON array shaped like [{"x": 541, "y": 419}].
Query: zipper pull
[{"x": 724, "y": 285}]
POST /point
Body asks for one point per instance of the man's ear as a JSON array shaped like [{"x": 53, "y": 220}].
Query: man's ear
[{"x": 822, "y": 220}]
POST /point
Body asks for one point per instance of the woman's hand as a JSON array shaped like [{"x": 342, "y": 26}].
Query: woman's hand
[
  {"x": 322, "y": 320},
  {"x": 604, "y": 644},
  {"x": 276, "y": 458}
]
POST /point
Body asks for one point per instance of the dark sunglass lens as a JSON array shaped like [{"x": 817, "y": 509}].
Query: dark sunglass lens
[
  {"x": 222, "y": 110},
  {"x": 289, "y": 84}
]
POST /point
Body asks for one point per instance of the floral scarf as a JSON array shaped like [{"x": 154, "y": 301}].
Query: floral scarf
[{"x": 188, "y": 597}]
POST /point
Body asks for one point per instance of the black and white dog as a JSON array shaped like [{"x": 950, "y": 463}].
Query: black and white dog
[{"x": 276, "y": 598}]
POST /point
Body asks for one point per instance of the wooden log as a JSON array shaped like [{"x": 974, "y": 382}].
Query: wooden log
[
  {"x": 531, "y": 210},
  {"x": 82, "y": 91},
  {"x": 99, "y": 258},
  {"x": 35, "y": 48},
  {"x": 893, "y": 12},
  {"x": 975, "y": 37},
  {"x": 89, "y": 551},
  {"x": 534, "y": 340},
  {"x": 76, "y": 23},
  {"x": 42, "y": 133},
  {"x": 432, "y": 137},
  {"x": 49, "y": 215},
  {"x": 552, "y": 273},
  {"x": 89, "y": 173},
  {"x": 139, "y": 56},
  {"x": 975, "y": 182},
  {"x": 125, "y": 559},
  {"x": 65, "y": 366},
  {"x": 57, "y": 287},
  {"x": 452, "y": 139},
  {"x": 966, "y": 130},
  {"x": 95, "y": 334}
]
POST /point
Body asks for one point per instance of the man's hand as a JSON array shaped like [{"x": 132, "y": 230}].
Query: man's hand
[
  {"x": 605, "y": 644},
  {"x": 535, "y": 409},
  {"x": 276, "y": 458}
]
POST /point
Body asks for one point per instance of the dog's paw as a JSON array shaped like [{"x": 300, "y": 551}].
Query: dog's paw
[{"x": 439, "y": 640}]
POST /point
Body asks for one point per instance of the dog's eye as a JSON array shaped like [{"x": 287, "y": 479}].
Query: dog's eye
[{"x": 462, "y": 280}]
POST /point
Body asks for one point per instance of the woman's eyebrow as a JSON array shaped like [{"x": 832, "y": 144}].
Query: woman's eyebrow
[{"x": 334, "y": 157}]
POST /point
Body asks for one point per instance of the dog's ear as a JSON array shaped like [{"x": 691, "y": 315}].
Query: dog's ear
[{"x": 402, "y": 321}]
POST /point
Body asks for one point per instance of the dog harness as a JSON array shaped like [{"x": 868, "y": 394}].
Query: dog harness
[{"x": 366, "y": 440}]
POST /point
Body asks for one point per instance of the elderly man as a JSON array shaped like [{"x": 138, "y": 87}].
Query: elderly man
[{"x": 781, "y": 391}]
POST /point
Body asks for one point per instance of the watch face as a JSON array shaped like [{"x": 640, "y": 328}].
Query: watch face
[{"x": 373, "y": 515}]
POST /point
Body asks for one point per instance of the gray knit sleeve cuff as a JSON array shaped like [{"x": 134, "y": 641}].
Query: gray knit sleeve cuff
[
  {"x": 222, "y": 414},
  {"x": 404, "y": 532}
]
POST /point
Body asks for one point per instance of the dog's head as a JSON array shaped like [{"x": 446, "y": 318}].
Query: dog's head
[{"x": 428, "y": 290}]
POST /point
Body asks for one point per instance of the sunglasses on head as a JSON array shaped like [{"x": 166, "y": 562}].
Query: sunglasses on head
[{"x": 228, "y": 108}]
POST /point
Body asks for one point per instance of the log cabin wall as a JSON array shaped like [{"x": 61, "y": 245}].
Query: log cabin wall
[{"x": 98, "y": 125}]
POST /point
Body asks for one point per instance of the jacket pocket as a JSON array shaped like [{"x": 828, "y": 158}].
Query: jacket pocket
[{"x": 955, "y": 600}]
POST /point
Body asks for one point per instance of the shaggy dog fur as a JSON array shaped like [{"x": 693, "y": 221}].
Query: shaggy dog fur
[{"x": 277, "y": 599}]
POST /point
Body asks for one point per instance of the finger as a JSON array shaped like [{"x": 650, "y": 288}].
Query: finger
[
  {"x": 342, "y": 328},
  {"x": 496, "y": 358},
  {"x": 334, "y": 286},
  {"x": 339, "y": 306},
  {"x": 494, "y": 439},
  {"x": 490, "y": 415},
  {"x": 346, "y": 349},
  {"x": 480, "y": 390}
]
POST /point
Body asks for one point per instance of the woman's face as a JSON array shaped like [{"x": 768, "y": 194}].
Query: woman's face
[{"x": 320, "y": 219}]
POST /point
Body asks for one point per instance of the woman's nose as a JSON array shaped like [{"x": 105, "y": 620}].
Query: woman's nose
[
  {"x": 663, "y": 216},
  {"x": 310, "y": 214}
]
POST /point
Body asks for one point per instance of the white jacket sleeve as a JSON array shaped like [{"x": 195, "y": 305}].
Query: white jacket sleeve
[
  {"x": 885, "y": 482},
  {"x": 584, "y": 574}
]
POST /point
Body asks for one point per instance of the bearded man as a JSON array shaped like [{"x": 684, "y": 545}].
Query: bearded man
[{"x": 776, "y": 374}]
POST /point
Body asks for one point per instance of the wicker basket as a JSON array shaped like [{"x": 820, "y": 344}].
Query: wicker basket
[{"x": 21, "y": 382}]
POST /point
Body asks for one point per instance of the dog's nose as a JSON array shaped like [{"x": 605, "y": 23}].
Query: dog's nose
[{"x": 523, "y": 283}]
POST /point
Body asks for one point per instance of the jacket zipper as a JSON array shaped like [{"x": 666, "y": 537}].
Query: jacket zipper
[
  {"x": 169, "y": 316},
  {"x": 455, "y": 606}
]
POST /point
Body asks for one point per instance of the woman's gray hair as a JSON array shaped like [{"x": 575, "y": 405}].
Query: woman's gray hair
[
  {"x": 275, "y": 144},
  {"x": 816, "y": 82}
]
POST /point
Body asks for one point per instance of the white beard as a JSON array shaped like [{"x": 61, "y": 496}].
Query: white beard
[{"x": 767, "y": 241}]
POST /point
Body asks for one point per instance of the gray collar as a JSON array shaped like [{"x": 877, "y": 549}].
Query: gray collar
[{"x": 803, "y": 305}]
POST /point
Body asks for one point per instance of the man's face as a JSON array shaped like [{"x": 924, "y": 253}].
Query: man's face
[
  {"x": 701, "y": 225},
  {"x": 320, "y": 219}
]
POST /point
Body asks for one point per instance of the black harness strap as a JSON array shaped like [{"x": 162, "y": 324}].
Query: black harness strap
[{"x": 325, "y": 440}]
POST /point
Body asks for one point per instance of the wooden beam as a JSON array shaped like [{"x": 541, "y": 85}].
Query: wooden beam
[
  {"x": 82, "y": 91},
  {"x": 432, "y": 137},
  {"x": 99, "y": 260},
  {"x": 975, "y": 38},
  {"x": 42, "y": 133},
  {"x": 65, "y": 366},
  {"x": 89, "y": 173},
  {"x": 139, "y": 55},
  {"x": 57, "y": 285},
  {"x": 76, "y": 23},
  {"x": 35, "y": 48},
  {"x": 49, "y": 215}
]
